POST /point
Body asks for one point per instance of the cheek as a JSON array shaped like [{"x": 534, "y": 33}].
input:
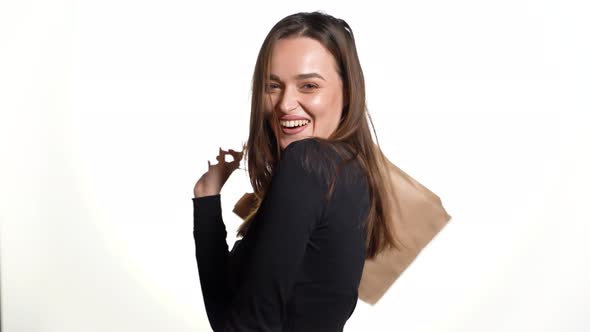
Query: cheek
[
  {"x": 322, "y": 104},
  {"x": 268, "y": 105},
  {"x": 269, "y": 112}
]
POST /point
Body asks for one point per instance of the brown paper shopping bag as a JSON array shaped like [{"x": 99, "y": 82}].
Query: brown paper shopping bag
[{"x": 418, "y": 216}]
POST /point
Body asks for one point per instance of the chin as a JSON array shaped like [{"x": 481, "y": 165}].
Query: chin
[{"x": 286, "y": 143}]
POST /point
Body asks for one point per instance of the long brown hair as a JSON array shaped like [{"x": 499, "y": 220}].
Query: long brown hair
[{"x": 353, "y": 136}]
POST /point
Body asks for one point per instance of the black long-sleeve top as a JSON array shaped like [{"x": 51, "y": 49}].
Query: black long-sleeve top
[{"x": 299, "y": 265}]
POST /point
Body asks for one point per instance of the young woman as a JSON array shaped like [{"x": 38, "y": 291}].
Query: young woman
[{"x": 320, "y": 193}]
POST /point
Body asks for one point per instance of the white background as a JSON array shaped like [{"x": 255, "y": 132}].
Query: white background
[{"x": 110, "y": 110}]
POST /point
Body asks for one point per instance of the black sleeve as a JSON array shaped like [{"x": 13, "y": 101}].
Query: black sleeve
[
  {"x": 212, "y": 254},
  {"x": 290, "y": 210}
]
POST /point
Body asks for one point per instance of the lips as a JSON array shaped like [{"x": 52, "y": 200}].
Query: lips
[
  {"x": 293, "y": 117},
  {"x": 295, "y": 130}
]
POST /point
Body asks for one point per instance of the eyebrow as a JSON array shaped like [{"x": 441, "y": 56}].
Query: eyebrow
[{"x": 299, "y": 77}]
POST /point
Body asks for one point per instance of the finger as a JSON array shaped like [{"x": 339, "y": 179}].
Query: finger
[
  {"x": 239, "y": 155},
  {"x": 209, "y": 163},
  {"x": 236, "y": 158},
  {"x": 236, "y": 153}
]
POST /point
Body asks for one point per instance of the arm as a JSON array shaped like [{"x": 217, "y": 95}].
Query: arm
[
  {"x": 292, "y": 207},
  {"x": 209, "y": 234},
  {"x": 212, "y": 253}
]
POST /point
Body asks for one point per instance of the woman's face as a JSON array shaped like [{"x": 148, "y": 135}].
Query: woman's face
[{"x": 304, "y": 85}]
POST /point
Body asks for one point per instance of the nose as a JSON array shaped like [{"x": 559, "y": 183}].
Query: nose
[{"x": 288, "y": 100}]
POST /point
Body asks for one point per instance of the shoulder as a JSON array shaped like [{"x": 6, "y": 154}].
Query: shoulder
[
  {"x": 310, "y": 147},
  {"x": 310, "y": 153},
  {"x": 319, "y": 158}
]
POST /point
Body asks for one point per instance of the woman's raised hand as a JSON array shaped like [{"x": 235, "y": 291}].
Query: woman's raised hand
[{"x": 213, "y": 180}]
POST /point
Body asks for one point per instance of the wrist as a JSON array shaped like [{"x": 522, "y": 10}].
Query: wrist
[{"x": 203, "y": 193}]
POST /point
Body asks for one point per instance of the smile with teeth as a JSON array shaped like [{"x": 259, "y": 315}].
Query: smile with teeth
[{"x": 294, "y": 123}]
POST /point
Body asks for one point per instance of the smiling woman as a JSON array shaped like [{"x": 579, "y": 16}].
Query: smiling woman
[
  {"x": 310, "y": 89},
  {"x": 320, "y": 191}
]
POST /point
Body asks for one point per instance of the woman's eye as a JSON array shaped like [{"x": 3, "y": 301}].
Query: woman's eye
[
  {"x": 272, "y": 86},
  {"x": 309, "y": 86}
]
